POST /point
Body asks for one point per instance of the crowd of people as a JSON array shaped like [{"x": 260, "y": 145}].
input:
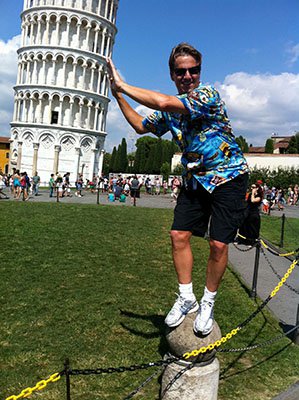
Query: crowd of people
[{"x": 20, "y": 184}]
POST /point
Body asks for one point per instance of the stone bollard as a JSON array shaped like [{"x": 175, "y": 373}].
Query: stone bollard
[{"x": 198, "y": 377}]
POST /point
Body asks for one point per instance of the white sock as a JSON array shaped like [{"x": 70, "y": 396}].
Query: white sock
[
  {"x": 186, "y": 290},
  {"x": 209, "y": 296}
]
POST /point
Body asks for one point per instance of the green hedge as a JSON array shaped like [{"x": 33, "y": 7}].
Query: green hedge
[{"x": 280, "y": 177}]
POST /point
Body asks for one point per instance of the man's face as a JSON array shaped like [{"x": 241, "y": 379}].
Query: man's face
[{"x": 185, "y": 80}]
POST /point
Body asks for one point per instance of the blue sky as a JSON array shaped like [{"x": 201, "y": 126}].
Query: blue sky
[{"x": 250, "y": 53}]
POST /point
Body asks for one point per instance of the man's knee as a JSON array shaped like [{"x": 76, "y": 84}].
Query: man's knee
[
  {"x": 179, "y": 239},
  {"x": 218, "y": 249}
]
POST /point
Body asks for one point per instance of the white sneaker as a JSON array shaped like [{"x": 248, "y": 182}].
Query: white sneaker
[
  {"x": 180, "y": 309},
  {"x": 205, "y": 318}
]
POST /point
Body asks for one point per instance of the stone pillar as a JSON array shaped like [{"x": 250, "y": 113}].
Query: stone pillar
[
  {"x": 57, "y": 31},
  {"x": 101, "y": 162},
  {"x": 77, "y": 162},
  {"x": 57, "y": 149},
  {"x": 92, "y": 163},
  {"x": 19, "y": 160},
  {"x": 198, "y": 377},
  {"x": 88, "y": 123},
  {"x": 88, "y": 27},
  {"x": 96, "y": 114},
  {"x": 93, "y": 68},
  {"x": 71, "y": 117},
  {"x": 35, "y": 157},
  {"x": 96, "y": 39}
]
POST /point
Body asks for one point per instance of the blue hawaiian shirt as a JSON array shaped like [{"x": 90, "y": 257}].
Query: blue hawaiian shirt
[{"x": 211, "y": 155}]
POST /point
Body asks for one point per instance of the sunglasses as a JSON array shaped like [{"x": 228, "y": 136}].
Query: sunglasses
[{"x": 192, "y": 71}]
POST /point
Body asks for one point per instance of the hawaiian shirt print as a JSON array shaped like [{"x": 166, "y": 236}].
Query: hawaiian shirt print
[{"x": 211, "y": 155}]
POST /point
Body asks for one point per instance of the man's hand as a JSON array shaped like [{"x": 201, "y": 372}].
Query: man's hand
[{"x": 116, "y": 82}]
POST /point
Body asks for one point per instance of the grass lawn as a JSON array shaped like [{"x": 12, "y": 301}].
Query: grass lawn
[
  {"x": 271, "y": 229},
  {"x": 93, "y": 283}
]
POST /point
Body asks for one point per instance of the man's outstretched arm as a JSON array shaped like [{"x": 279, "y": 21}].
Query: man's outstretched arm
[{"x": 148, "y": 98}]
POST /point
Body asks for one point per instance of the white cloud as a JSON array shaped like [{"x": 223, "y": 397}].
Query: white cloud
[
  {"x": 293, "y": 52},
  {"x": 8, "y": 75},
  {"x": 259, "y": 105}
]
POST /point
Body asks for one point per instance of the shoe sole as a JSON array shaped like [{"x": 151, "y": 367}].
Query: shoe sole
[{"x": 194, "y": 309}]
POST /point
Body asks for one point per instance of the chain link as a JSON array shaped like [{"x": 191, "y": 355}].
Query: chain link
[
  {"x": 39, "y": 386},
  {"x": 277, "y": 274},
  {"x": 233, "y": 332},
  {"x": 259, "y": 345},
  {"x": 112, "y": 370},
  {"x": 141, "y": 386},
  {"x": 243, "y": 250},
  {"x": 291, "y": 253}
]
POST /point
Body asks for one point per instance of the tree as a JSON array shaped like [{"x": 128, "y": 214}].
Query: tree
[
  {"x": 165, "y": 171},
  {"x": 178, "y": 170},
  {"x": 112, "y": 160},
  {"x": 123, "y": 158},
  {"x": 269, "y": 146},
  {"x": 242, "y": 144},
  {"x": 106, "y": 163},
  {"x": 293, "y": 147}
]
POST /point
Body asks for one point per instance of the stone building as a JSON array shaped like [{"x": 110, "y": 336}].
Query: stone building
[{"x": 61, "y": 94}]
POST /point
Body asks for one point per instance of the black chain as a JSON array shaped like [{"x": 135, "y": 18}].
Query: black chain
[
  {"x": 176, "y": 377},
  {"x": 258, "y": 345},
  {"x": 277, "y": 274},
  {"x": 112, "y": 370},
  {"x": 141, "y": 386},
  {"x": 243, "y": 250}
]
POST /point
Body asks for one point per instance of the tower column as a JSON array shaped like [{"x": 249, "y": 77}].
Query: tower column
[
  {"x": 35, "y": 156},
  {"x": 19, "y": 159},
  {"x": 57, "y": 149},
  {"x": 71, "y": 118},
  {"x": 77, "y": 161},
  {"x": 92, "y": 163},
  {"x": 101, "y": 162}
]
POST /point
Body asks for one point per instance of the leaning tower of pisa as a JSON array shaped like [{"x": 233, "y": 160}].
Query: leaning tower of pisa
[{"x": 61, "y": 94}]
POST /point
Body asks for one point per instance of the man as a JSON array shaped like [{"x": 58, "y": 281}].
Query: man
[
  {"x": 215, "y": 177},
  {"x": 35, "y": 184}
]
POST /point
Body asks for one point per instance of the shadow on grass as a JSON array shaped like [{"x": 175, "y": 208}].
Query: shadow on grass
[
  {"x": 157, "y": 322},
  {"x": 222, "y": 377}
]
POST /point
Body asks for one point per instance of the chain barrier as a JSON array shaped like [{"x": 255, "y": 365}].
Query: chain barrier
[
  {"x": 291, "y": 253},
  {"x": 176, "y": 377},
  {"x": 233, "y": 332},
  {"x": 39, "y": 386},
  {"x": 259, "y": 345},
  {"x": 111, "y": 370},
  {"x": 141, "y": 386},
  {"x": 194, "y": 353},
  {"x": 243, "y": 250},
  {"x": 277, "y": 274}
]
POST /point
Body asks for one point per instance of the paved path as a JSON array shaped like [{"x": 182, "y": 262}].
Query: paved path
[{"x": 284, "y": 305}]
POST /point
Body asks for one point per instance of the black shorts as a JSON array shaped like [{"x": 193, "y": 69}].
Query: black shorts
[{"x": 222, "y": 211}]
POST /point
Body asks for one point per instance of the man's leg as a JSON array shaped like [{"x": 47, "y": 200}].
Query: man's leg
[
  {"x": 182, "y": 255},
  {"x": 217, "y": 263},
  {"x": 183, "y": 263}
]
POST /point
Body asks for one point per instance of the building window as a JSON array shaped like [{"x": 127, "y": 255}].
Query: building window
[
  {"x": 7, "y": 155},
  {"x": 54, "y": 117}
]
